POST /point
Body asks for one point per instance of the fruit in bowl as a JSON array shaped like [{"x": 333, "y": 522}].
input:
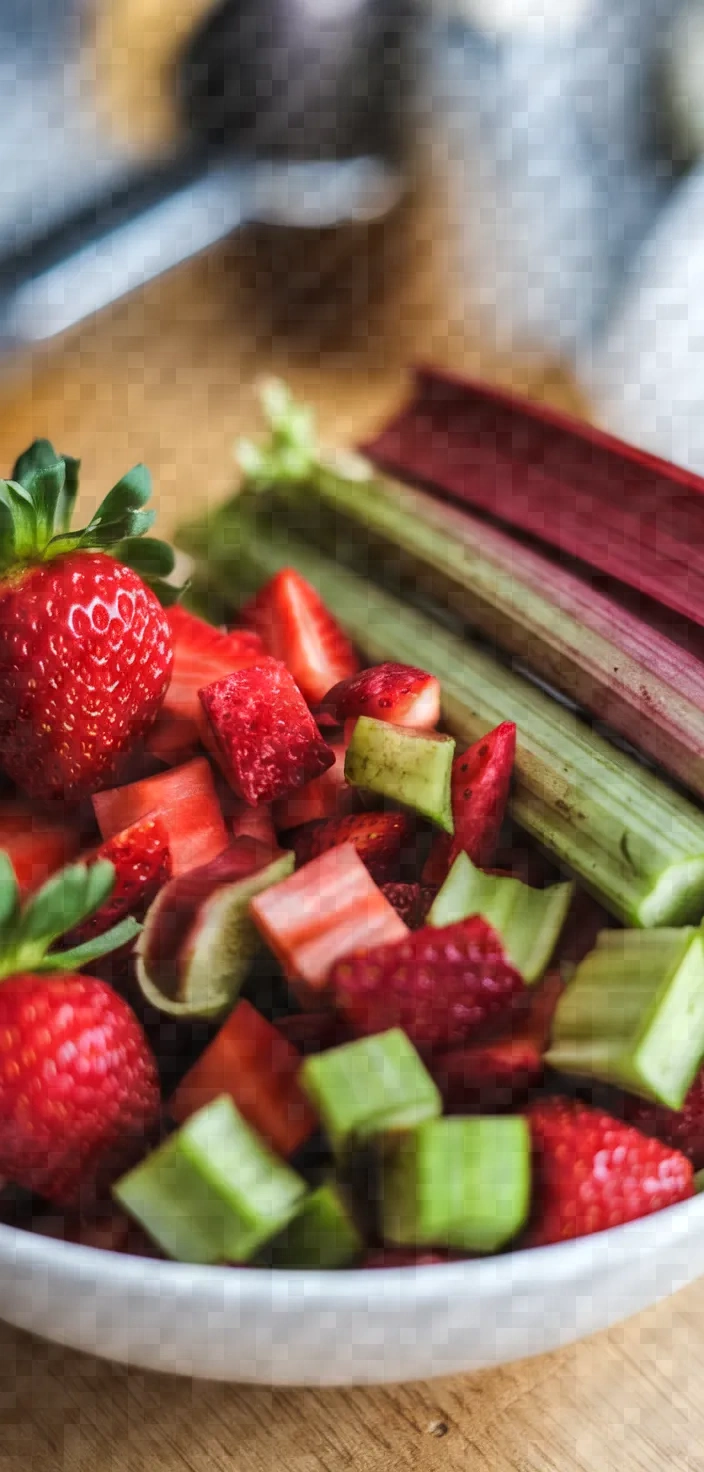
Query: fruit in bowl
[{"x": 302, "y": 1005}]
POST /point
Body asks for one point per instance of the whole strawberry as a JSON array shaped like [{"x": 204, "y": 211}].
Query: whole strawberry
[
  {"x": 79, "y": 1090},
  {"x": 85, "y": 646},
  {"x": 591, "y": 1172}
]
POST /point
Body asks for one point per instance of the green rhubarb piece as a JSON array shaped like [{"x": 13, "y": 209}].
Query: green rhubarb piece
[
  {"x": 699, "y": 1182},
  {"x": 634, "y": 843},
  {"x": 322, "y": 1234},
  {"x": 410, "y": 767},
  {"x": 363, "y": 1088},
  {"x": 527, "y": 920},
  {"x": 633, "y": 1014},
  {"x": 214, "y": 1192},
  {"x": 206, "y": 975},
  {"x": 462, "y": 1183}
]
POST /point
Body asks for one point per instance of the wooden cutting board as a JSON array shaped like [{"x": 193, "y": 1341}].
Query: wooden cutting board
[{"x": 170, "y": 379}]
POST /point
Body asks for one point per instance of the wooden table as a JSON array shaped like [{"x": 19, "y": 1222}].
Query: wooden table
[{"x": 170, "y": 379}]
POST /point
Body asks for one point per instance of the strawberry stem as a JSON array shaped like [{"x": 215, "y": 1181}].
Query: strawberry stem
[{"x": 65, "y": 901}]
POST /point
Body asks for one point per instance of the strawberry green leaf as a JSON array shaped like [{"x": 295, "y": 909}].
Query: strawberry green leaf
[
  {"x": 20, "y": 505},
  {"x": 64, "y": 901},
  {"x": 9, "y": 893},
  {"x": 41, "y": 455},
  {"x": 67, "y": 498},
  {"x": 147, "y": 556},
  {"x": 45, "y": 489},
  {"x": 91, "y": 950}
]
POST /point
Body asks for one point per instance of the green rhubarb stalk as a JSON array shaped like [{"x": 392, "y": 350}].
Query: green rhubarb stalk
[
  {"x": 609, "y": 661},
  {"x": 413, "y": 768},
  {"x": 633, "y": 1014},
  {"x": 636, "y": 845},
  {"x": 323, "y": 1234},
  {"x": 527, "y": 920},
  {"x": 371, "y": 1085}
]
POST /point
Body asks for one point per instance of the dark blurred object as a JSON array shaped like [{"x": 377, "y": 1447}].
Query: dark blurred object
[{"x": 297, "y": 113}]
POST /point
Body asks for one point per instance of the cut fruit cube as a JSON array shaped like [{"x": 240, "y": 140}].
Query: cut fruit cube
[
  {"x": 248, "y": 822},
  {"x": 141, "y": 858},
  {"x": 462, "y": 1183},
  {"x": 440, "y": 986},
  {"x": 202, "y": 654},
  {"x": 199, "y": 940},
  {"x": 481, "y": 782},
  {"x": 214, "y": 1192},
  {"x": 36, "y": 842},
  {"x": 389, "y": 692},
  {"x": 366, "y": 1087},
  {"x": 327, "y": 796},
  {"x": 633, "y": 1014},
  {"x": 323, "y": 911},
  {"x": 258, "y": 1068},
  {"x": 186, "y": 802},
  {"x": 528, "y": 921},
  {"x": 262, "y": 733},
  {"x": 297, "y": 628},
  {"x": 488, "y": 1077},
  {"x": 382, "y": 840},
  {"x": 405, "y": 765},
  {"x": 322, "y": 1234},
  {"x": 411, "y": 901}
]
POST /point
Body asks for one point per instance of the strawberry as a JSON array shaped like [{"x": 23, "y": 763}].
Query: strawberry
[
  {"x": 299, "y": 630},
  {"x": 410, "y": 901},
  {"x": 439, "y": 985},
  {"x": 85, "y": 646},
  {"x": 497, "y": 1073},
  {"x": 141, "y": 858},
  {"x": 379, "y": 838},
  {"x": 202, "y": 654},
  {"x": 389, "y": 692},
  {"x": 591, "y": 1171},
  {"x": 327, "y": 796},
  {"x": 36, "y": 841},
  {"x": 262, "y": 733},
  {"x": 186, "y": 802},
  {"x": 313, "y": 1032},
  {"x": 481, "y": 778},
  {"x": 682, "y": 1129},
  {"x": 78, "y": 1082}
]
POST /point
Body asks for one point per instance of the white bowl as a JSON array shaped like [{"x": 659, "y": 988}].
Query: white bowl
[{"x": 351, "y": 1328}]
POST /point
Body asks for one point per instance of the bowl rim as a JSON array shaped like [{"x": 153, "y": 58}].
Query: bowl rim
[{"x": 518, "y": 1270}]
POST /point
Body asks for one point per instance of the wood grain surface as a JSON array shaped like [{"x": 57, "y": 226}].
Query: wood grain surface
[{"x": 170, "y": 378}]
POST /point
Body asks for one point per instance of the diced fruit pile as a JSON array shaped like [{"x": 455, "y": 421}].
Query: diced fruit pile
[{"x": 279, "y": 983}]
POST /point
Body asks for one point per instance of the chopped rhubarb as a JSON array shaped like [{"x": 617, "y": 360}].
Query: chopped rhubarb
[
  {"x": 186, "y": 802},
  {"x": 330, "y": 907},
  {"x": 638, "y": 519},
  {"x": 381, "y": 840},
  {"x": 262, "y": 733},
  {"x": 142, "y": 861},
  {"x": 37, "y": 843},
  {"x": 327, "y": 796},
  {"x": 388, "y": 692},
  {"x": 481, "y": 781},
  {"x": 250, "y": 1060},
  {"x": 296, "y": 628},
  {"x": 248, "y": 822}
]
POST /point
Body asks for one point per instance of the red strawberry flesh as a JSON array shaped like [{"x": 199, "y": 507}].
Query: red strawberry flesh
[
  {"x": 262, "y": 732},
  {"x": 297, "y": 628},
  {"x": 142, "y": 860},
  {"x": 439, "y": 985},
  {"x": 592, "y": 1172},
  {"x": 389, "y": 692},
  {"x": 186, "y": 802},
  {"x": 36, "y": 841},
  {"x": 381, "y": 840},
  {"x": 481, "y": 780}
]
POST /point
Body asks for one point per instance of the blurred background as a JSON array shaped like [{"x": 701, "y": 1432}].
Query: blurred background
[{"x": 195, "y": 193}]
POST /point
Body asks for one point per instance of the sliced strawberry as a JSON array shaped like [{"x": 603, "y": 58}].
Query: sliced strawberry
[
  {"x": 142, "y": 860},
  {"x": 409, "y": 901},
  {"x": 251, "y": 1061},
  {"x": 488, "y": 1077},
  {"x": 327, "y": 796},
  {"x": 202, "y": 654},
  {"x": 682, "y": 1129},
  {"x": 320, "y": 913},
  {"x": 38, "y": 843},
  {"x": 591, "y": 1171},
  {"x": 262, "y": 733},
  {"x": 297, "y": 628},
  {"x": 439, "y": 985},
  {"x": 399, "y": 693},
  {"x": 186, "y": 802},
  {"x": 481, "y": 779},
  {"x": 381, "y": 839}
]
